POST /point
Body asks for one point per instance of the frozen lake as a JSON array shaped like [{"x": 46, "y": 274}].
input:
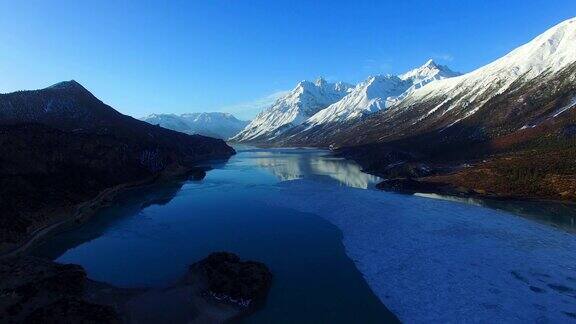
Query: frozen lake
[{"x": 340, "y": 251}]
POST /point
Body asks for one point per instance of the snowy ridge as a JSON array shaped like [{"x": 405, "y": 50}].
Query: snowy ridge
[
  {"x": 429, "y": 96},
  {"x": 380, "y": 92},
  {"x": 303, "y": 101},
  {"x": 370, "y": 96},
  {"x": 570, "y": 105},
  {"x": 424, "y": 75},
  {"x": 545, "y": 55},
  {"x": 213, "y": 124},
  {"x": 427, "y": 73}
]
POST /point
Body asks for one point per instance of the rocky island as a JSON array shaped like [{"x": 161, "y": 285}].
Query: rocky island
[
  {"x": 230, "y": 280},
  {"x": 215, "y": 289}
]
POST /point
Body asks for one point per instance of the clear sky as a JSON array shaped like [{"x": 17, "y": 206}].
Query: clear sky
[{"x": 146, "y": 57}]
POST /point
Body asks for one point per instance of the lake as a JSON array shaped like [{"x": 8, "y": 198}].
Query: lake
[{"x": 149, "y": 235}]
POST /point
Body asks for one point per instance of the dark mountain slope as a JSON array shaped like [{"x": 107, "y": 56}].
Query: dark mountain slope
[
  {"x": 61, "y": 147},
  {"x": 513, "y": 146},
  {"x": 70, "y": 107}
]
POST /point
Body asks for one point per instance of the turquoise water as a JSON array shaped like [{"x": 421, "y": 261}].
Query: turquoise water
[{"x": 150, "y": 235}]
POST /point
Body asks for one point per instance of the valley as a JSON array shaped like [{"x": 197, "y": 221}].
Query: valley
[
  {"x": 339, "y": 250},
  {"x": 214, "y": 194},
  {"x": 509, "y": 123}
]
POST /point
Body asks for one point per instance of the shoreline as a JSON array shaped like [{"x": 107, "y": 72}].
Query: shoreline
[
  {"x": 515, "y": 262},
  {"x": 448, "y": 190},
  {"x": 87, "y": 209},
  {"x": 423, "y": 185}
]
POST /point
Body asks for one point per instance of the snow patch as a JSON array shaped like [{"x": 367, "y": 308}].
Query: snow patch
[{"x": 571, "y": 104}]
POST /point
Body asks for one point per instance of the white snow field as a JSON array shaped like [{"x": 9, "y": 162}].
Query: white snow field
[{"x": 434, "y": 261}]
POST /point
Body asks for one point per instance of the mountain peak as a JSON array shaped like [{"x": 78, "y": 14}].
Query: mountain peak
[
  {"x": 320, "y": 82},
  {"x": 381, "y": 77},
  {"x": 428, "y": 72},
  {"x": 66, "y": 85},
  {"x": 430, "y": 63},
  {"x": 292, "y": 109},
  {"x": 71, "y": 85}
]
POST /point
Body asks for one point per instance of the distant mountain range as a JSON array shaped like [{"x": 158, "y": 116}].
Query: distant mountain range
[
  {"x": 427, "y": 122},
  {"x": 213, "y": 124},
  {"x": 321, "y": 103},
  {"x": 293, "y": 109}
]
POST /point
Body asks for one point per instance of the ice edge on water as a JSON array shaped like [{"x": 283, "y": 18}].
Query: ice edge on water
[{"x": 440, "y": 261}]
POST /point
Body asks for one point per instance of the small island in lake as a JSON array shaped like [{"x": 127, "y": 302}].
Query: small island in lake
[{"x": 216, "y": 289}]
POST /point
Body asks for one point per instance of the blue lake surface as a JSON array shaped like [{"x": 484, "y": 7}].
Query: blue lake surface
[{"x": 149, "y": 236}]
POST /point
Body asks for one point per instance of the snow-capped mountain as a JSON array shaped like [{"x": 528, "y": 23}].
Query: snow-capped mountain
[
  {"x": 419, "y": 77},
  {"x": 544, "y": 56},
  {"x": 313, "y": 104},
  {"x": 372, "y": 95},
  {"x": 378, "y": 93},
  {"x": 430, "y": 71},
  {"x": 432, "y": 98},
  {"x": 530, "y": 86},
  {"x": 213, "y": 124},
  {"x": 306, "y": 99}
]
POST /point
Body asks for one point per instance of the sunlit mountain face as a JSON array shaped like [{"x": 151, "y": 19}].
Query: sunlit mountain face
[{"x": 287, "y": 165}]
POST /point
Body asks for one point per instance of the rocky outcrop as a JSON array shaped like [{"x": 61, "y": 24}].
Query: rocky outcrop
[
  {"x": 230, "y": 280},
  {"x": 33, "y": 290},
  {"x": 408, "y": 186},
  {"x": 215, "y": 290}
]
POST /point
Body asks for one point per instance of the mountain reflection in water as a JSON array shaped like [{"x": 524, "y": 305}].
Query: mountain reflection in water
[{"x": 288, "y": 164}]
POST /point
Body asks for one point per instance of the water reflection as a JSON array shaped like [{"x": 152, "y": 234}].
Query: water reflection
[
  {"x": 126, "y": 204},
  {"x": 151, "y": 235},
  {"x": 343, "y": 171},
  {"x": 557, "y": 214},
  {"x": 318, "y": 165},
  {"x": 291, "y": 164}
]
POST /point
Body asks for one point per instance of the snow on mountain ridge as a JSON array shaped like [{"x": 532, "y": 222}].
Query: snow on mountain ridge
[
  {"x": 380, "y": 92},
  {"x": 210, "y": 117},
  {"x": 433, "y": 88},
  {"x": 213, "y": 124},
  {"x": 293, "y": 109},
  {"x": 546, "y": 54},
  {"x": 427, "y": 73},
  {"x": 367, "y": 97}
]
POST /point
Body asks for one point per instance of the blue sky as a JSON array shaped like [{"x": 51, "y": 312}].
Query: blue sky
[{"x": 185, "y": 56}]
